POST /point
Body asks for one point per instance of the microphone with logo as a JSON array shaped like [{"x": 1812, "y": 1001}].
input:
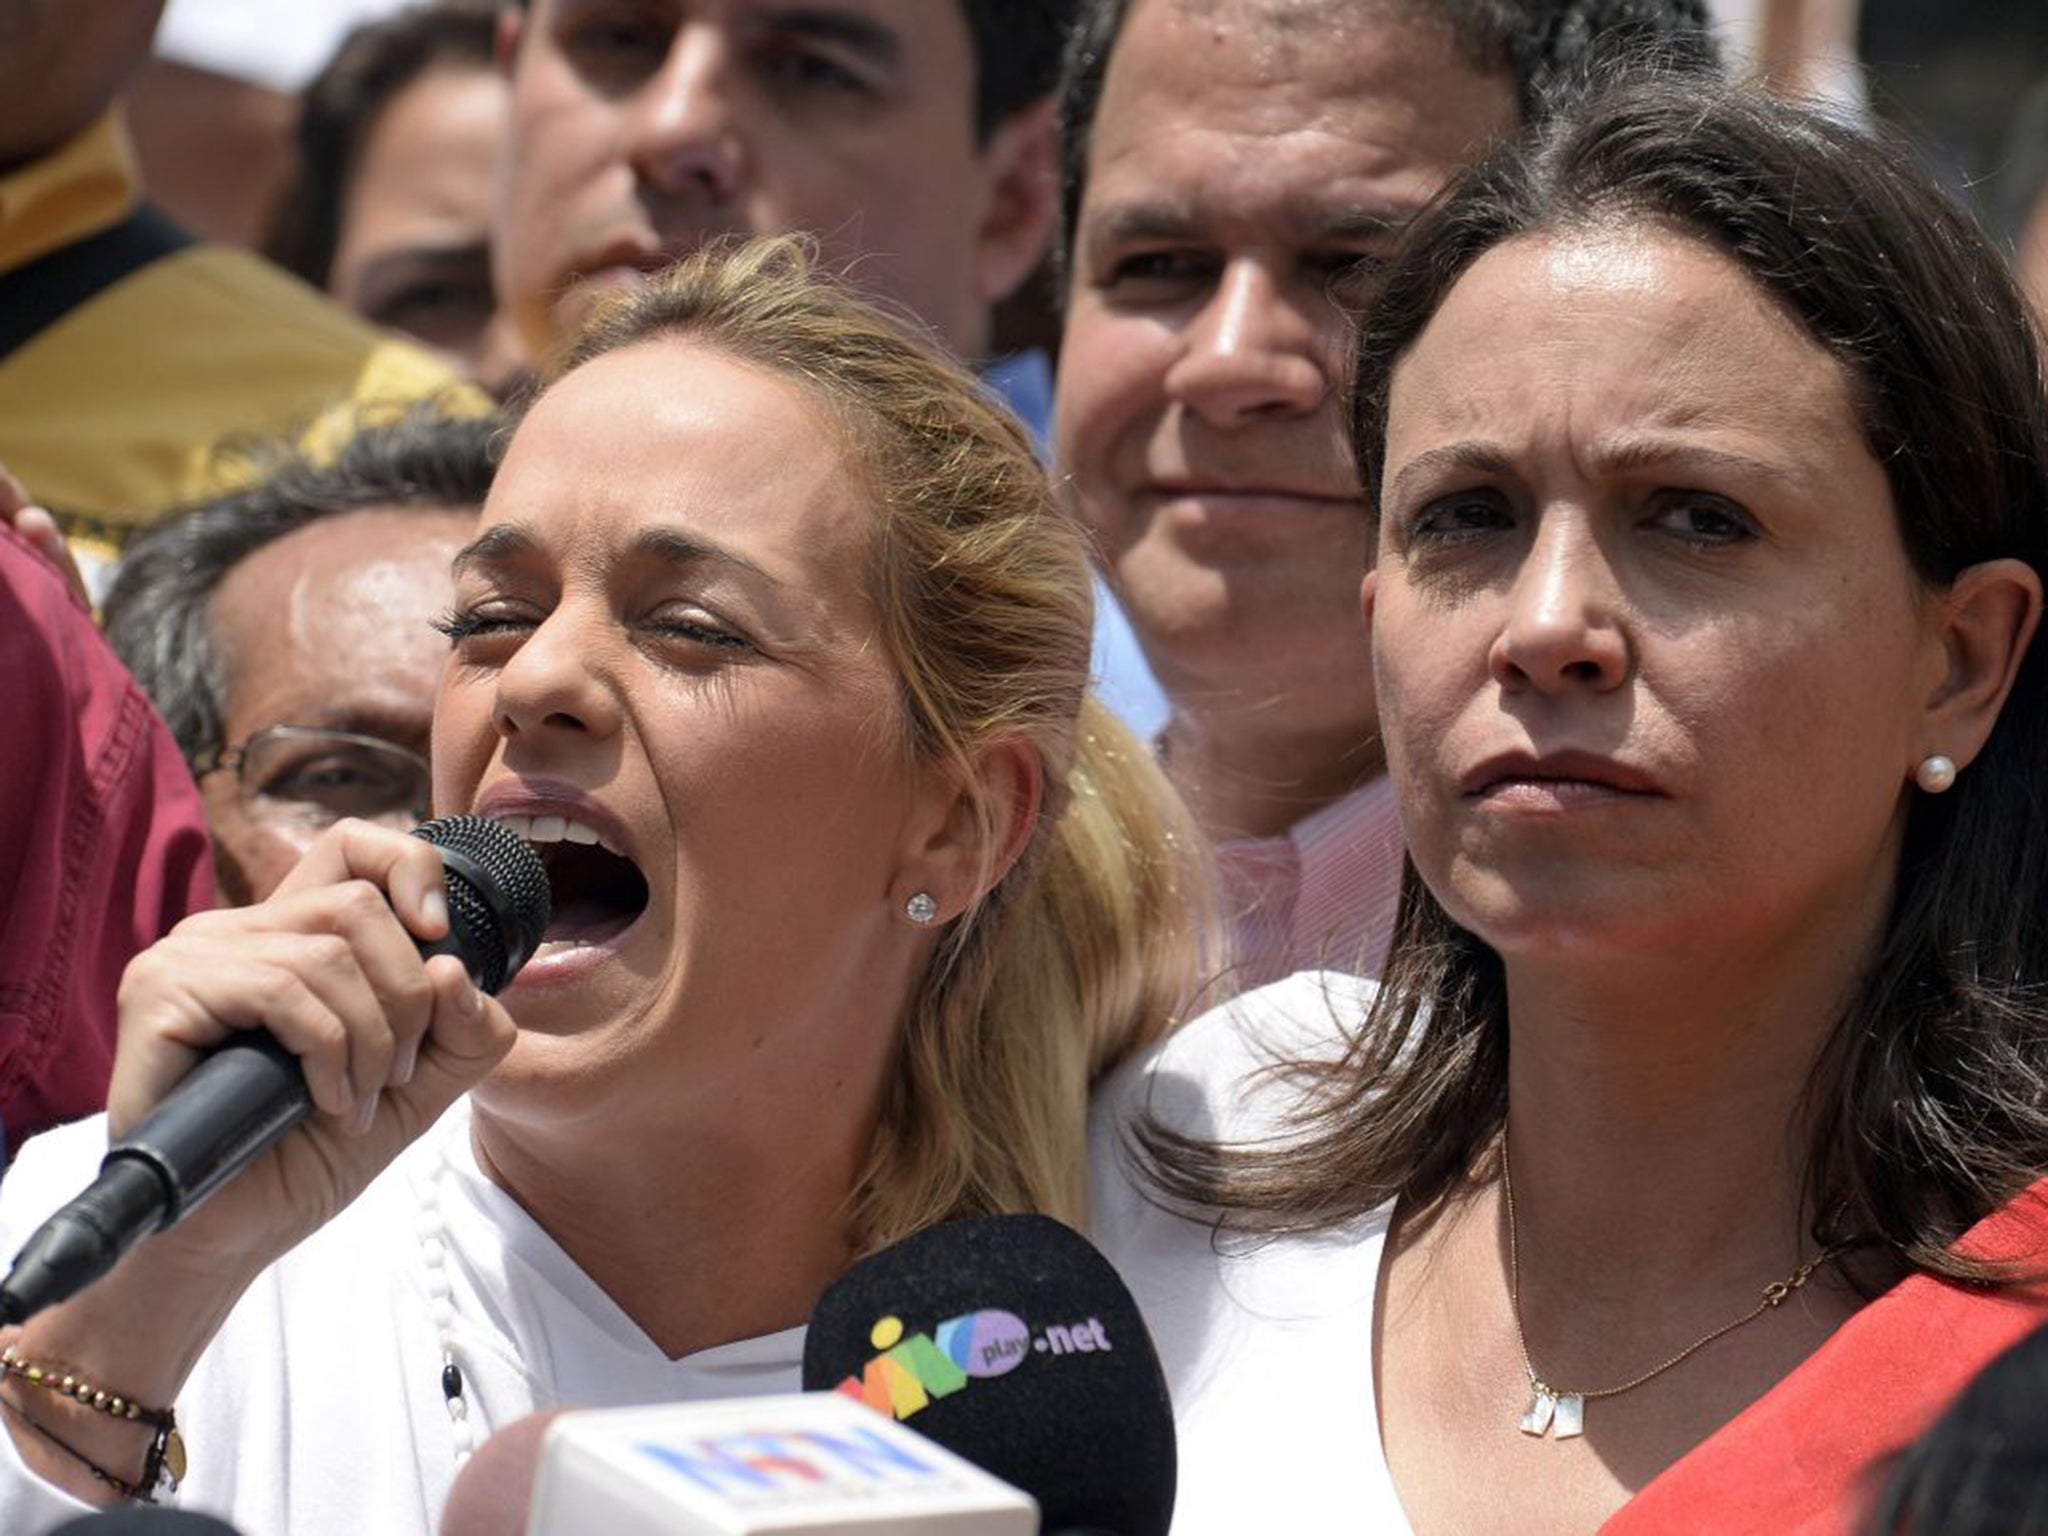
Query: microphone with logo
[
  {"x": 248, "y": 1093},
  {"x": 1007, "y": 1343},
  {"x": 1012, "y": 1341}
]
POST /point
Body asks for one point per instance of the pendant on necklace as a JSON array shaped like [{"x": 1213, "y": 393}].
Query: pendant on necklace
[{"x": 1563, "y": 1414}]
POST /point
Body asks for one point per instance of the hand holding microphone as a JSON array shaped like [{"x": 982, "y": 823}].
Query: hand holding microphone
[
  {"x": 374, "y": 1028},
  {"x": 339, "y": 991}
]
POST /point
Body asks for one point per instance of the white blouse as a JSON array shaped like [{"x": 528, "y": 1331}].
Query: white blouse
[
  {"x": 318, "y": 1408},
  {"x": 1267, "y": 1342}
]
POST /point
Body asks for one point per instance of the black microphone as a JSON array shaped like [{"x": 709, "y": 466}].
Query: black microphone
[
  {"x": 1011, "y": 1341},
  {"x": 145, "y": 1520},
  {"x": 249, "y": 1092}
]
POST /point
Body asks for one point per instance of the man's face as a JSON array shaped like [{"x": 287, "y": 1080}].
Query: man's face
[
  {"x": 1246, "y": 153},
  {"x": 328, "y": 629},
  {"x": 413, "y": 250},
  {"x": 60, "y": 68},
  {"x": 643, "y": 128}
]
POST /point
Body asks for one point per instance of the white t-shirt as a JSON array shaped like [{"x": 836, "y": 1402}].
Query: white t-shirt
[
  {"x": 1267, "y": 1342},
  {"x": 318, "y": 1409}
]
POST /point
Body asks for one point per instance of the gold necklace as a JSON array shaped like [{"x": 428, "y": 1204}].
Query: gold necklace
[{"x": 1561, "y": 1410}]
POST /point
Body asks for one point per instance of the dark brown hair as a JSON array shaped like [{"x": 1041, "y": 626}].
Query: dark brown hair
[
  {"x": 159, "y": 612},
  {"x": 1017, "y": 46},
  {"x": 1928, "y": 1104},
  {"x": 343, "y": 104},
  {"x": 1548, "y": 49}
]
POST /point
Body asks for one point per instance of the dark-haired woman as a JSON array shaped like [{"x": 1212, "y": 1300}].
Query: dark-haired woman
[{"x": 1685, "y": 1158}]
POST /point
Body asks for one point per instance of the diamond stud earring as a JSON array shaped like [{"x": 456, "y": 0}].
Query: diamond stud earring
[
  {"x": 921, "y": 909},
  {"x": 1935, "y": 773}
]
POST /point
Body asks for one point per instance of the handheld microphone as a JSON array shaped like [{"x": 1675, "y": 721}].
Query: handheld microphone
[
  {"x": 145, "y": 1520},
  {"x": 248, "y": 1093},
  {"x": 814, "y": 1464},
  {"x": 1012, "y": 1342}
]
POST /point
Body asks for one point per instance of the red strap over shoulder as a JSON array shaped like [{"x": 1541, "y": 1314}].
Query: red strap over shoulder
[{"x": 1804, "y": 1458}]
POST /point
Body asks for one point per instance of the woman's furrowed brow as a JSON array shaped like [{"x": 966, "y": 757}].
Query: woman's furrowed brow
[
  {"x": 673, "y": 547},
  {"x": 498, "y": 545},
  {"x": 507, "y": 543}
]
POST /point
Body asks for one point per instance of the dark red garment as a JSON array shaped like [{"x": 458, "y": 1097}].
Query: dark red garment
[
  {"x": 1806, "y": 1458},
  {"x": 102, "y": 844}
]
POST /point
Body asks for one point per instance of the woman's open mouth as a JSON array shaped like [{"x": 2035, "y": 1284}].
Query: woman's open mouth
[{"x": 598, "y": 892}]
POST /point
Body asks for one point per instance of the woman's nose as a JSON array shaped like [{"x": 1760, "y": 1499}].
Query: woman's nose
[
  {"x": 1564, "y": 626},
  {"x": 555, "y": 685}
]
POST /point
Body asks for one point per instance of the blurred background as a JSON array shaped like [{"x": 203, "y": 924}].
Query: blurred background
[{"x": 1965, "y": 80}]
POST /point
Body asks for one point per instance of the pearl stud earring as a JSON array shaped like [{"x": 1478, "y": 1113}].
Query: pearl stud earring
[
  {"x": 921, "y": 909},
  {"x": 1935, "y": 773}
]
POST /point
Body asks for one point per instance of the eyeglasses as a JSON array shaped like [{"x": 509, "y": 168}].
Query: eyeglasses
[{"x": 315, "y": 777}]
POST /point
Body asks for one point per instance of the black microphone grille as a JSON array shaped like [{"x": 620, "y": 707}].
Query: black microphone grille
[
  {"x": 1011, "y": 1341},
  {"x": 145, "y": 1520},
  {"x": 498, "y": 897}
]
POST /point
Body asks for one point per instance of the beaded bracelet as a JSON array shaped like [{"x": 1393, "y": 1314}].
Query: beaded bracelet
[
  {"x": 163, "y": 1467},
  {"x": 122, "y": 1487}
]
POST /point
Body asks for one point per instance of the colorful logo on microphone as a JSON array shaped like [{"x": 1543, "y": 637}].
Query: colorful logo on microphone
[{"x": 909, "y": 1372}]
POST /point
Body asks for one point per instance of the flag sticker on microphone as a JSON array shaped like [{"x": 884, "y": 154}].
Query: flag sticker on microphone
[{"x": 908, "y": 1373}]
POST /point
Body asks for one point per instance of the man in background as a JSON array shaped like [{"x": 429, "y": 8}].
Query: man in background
[
  {"x": 102, "y": 846},
  {"x": 128, "y": 350},
  {"x": 388, "y": 202},
  {"x": 1228, "y": 163},
  {"x": 913, "y": 138},
  {"x": 286, "y": 634}
]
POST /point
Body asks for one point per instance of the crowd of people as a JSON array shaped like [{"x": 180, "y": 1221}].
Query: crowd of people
[{"x": 1460, "y": 786}]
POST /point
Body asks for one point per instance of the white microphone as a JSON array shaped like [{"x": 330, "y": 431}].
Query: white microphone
[{"x": 809, "y": 1464}]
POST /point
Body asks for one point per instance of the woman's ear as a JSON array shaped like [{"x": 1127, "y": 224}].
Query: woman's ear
[
  {"x": 1988, "y": 617},
  {"x": 973, "y": 829}
]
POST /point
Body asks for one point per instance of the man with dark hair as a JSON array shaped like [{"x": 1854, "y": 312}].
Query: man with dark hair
[
  {"x": 913, "y": 138},
  {"x": 285, "y": 634},
  {"x": 393, "y": 180},
  {"x": 1227, "y": 164}
]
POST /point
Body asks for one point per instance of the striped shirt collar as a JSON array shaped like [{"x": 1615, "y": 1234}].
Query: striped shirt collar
[{"x": 1322, "y": 894}]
